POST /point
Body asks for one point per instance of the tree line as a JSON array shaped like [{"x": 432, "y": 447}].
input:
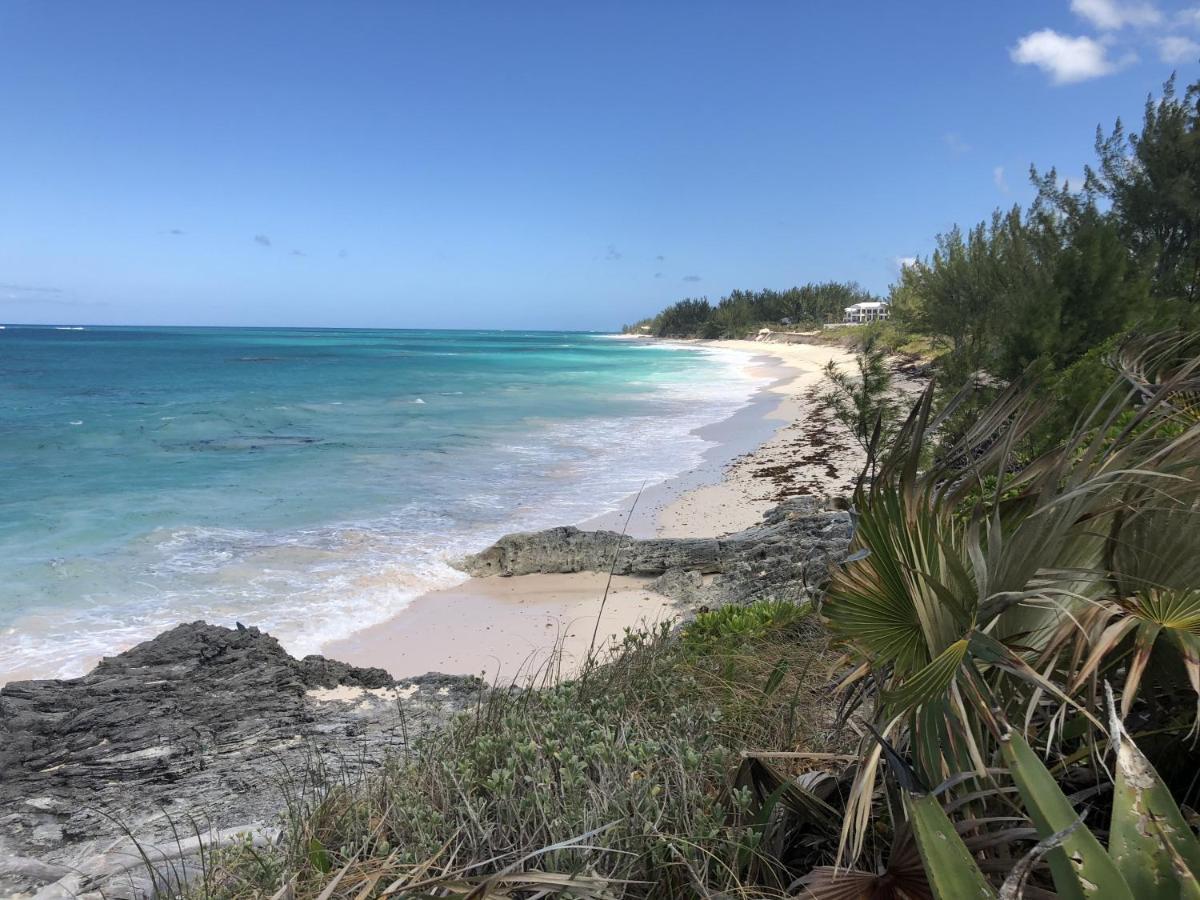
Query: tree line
[{"x": 742, "y": 312}]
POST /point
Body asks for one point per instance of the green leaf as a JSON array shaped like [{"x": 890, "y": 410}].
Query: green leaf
[
  {"x": 1149, "y": 839},
  {"x": 929, "y": 684},
  {"x": 1081, "y": 868},
  {"x": 775, "y": 678},
  {"x": 952, "y": 872},
  {"x": 319, "y": 856}
]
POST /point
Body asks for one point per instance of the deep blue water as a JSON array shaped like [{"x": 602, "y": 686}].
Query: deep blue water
[{"x": 307, "y": 481}]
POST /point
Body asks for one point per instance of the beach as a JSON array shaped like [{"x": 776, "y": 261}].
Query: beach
[
  {"x": 780, "y": 444},
  {"x": 313, "y": 482}
]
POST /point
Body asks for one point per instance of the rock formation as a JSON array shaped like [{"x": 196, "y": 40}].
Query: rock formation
[
  {"x": 784, "y": 557},
  {"x": 186, "y": 737}
]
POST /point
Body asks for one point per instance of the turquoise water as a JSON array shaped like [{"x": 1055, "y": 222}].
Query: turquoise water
[{"x": 307, "y": 481}]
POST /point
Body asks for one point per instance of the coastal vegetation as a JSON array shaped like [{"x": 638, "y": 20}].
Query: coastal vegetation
[
  {"x": 740, "y": 312},
  {"x": 863, "y": 401},
  {"x": 1053, "y": 289},
  {"x": 628, "y": 781}
]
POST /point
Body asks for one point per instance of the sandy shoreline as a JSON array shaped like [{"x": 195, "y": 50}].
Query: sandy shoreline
[{"x": 779, "y": 445}]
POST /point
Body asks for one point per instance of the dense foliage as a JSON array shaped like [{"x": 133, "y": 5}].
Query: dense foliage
[
  {"x": 743, "y": 312},
  {"x": 990, "y": 601}
]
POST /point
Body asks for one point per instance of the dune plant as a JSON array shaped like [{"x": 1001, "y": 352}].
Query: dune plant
[{"x": 629, "y": 783}]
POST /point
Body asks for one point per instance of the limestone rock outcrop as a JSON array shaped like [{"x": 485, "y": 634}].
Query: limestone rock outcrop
[
  {"x": 191, "y": 732},
  {"x": 786, "y": 556}
]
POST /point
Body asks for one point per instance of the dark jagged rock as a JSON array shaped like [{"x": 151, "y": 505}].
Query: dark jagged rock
[
  {"x": 196, "y": 724},
  {"x": 783, "y": 557}
]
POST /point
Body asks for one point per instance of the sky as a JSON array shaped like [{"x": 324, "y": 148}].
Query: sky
[{"x": 527, "y": 165}]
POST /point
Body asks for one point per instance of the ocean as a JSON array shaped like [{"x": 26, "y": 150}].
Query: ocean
[{"x": 307, "y": 481}]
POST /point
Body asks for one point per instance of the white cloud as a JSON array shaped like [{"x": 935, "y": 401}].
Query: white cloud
[
  {"x": 1188, "y": 17},
  {"x": 1176, "y": 49},
  {"x": 905, "y": 262},
  {"x": 1065, "y": 58},
  {"x": 1001, "y": 181},
  {"x": 1111, "y": 15}
]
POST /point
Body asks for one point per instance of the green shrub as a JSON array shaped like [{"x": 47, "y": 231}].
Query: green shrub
[{"x": 734, "y": 626}]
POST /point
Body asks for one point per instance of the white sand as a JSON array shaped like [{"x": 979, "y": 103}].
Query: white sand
[{"x": 505, "y": 629}]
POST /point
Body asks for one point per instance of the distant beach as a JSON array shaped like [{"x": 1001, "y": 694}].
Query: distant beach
[{"x": 778, "y": 444}]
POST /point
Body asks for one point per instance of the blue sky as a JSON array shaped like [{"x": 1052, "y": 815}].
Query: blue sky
[{"x": 553, "y": 165}]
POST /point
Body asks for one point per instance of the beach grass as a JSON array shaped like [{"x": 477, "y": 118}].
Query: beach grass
[{"x": 625, "y": 781}]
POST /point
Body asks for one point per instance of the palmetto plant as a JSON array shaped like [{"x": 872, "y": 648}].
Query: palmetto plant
[
  {"x": 1151, "y": 852},
  {"x": 985, "y": 587}
]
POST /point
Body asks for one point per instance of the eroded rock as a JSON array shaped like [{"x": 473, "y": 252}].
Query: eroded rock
[
  {"x": 193, "y": 731},
  {"x": 784, "y": 557}
]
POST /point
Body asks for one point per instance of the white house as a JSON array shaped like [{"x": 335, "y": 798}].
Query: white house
[{"x": 861, "y": 313}]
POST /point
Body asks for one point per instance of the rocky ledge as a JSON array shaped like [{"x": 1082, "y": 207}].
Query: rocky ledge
[
  {"x": 185, "y": 738},
  {"x": 786, "y": 556}
]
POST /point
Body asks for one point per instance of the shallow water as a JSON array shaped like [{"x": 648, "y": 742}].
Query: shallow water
[{"x": 307, "y": 481}]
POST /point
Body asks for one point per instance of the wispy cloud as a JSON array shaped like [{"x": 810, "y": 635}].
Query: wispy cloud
[
  {"x": 999, "y": 179},
  {"x": 262, "y": 240},
  {"x": 955, "y": 144},
  {"x": 692, "y": 278},
  {"x": 1064, "y": 58},
  {"x": 34, "y": 295},
  {"x": 28, "y": 288},
  {"x": 1112, "y": 15},
  {"x": 1175, "y": 48},
  {"x": 904, "y": 262},
  {"x": 1188, "y": 18},
  {"x": 612, "y": 254}
]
